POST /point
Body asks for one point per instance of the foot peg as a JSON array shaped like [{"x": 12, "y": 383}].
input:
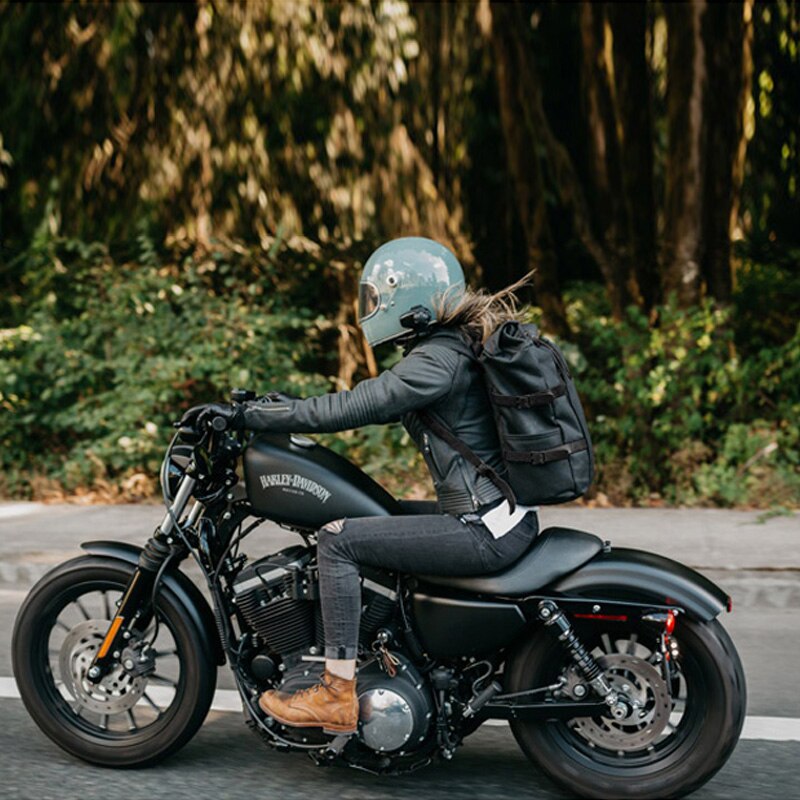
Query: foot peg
[{"x": 482, "y": 698}]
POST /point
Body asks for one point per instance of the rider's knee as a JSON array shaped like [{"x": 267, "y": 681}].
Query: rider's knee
[{"x": 328, "y": 538}]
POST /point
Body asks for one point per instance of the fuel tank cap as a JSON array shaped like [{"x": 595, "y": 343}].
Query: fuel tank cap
[{"x": 301, "y": 441}]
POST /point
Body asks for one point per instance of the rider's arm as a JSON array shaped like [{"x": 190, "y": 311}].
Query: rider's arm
[{"x": 422, "y": 377}]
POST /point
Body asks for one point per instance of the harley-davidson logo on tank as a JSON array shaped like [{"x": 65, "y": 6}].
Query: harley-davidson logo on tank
[{"x": 294, "y": 484}]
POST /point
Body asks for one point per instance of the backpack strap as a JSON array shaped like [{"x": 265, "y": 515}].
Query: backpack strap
[
  {"x": 480, "y": 465},
  {"x": 529, "y": 400},
  {"x": 538, "y": 457}
]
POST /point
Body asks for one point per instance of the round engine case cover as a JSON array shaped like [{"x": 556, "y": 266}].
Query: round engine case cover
[{"x": 394, "y": 712}]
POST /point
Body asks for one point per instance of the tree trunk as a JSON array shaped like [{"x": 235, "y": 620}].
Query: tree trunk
[
  {"x": 525, "y": 169},
  {"x": 686, "y": 82},
  {"x": 727, "y": 30},
  {"x": 558, "y": 169},
  {"x": 634, "y": 106},
  {"x": 606, "y": 194}
]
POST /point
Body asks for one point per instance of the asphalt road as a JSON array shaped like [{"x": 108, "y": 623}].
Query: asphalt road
[{"x": 757, "y": 562}]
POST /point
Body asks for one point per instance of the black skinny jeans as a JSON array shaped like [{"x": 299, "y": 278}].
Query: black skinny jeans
[{"x": 433, "y": 544}]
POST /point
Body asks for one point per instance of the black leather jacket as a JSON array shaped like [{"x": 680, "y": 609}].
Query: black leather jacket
[{"x": 436, "y": 375}]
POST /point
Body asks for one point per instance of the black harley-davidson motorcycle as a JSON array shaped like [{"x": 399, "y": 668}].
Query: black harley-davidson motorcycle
[{"x": 610, "y": 664}]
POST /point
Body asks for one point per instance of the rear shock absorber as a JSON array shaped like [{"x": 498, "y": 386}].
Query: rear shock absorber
[{"x": 556, "y": 621}]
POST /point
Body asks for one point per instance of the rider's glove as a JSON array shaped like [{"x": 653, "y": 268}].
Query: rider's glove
[
  {"x": 204, "y": 416},
  {"x": 189, "y": 418}
]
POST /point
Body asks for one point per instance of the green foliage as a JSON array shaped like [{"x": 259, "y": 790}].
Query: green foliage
[
  {"x": 241, "y": 118},
  {"x": 112, "y": 354},
  {"x": 678, "y": 415},
  {"x": 767, "y": 300}
]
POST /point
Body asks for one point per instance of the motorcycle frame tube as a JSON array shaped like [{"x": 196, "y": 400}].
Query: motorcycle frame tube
[
  {"x": 624, "y": 573},
  {"x": 196, "y": 606},
  {"x": 594, "y": 608},
  {"x": 541, "y": 711}
]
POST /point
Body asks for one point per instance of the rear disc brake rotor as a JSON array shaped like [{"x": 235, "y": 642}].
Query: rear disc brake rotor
[
  {"x": 116, "y": 693},
  {"x": 642, "y": 684}
]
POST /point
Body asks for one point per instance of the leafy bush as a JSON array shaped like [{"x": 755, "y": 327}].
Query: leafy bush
[
  {"x": 677, "y": 415},
  {"x": 111, "y": 354}
]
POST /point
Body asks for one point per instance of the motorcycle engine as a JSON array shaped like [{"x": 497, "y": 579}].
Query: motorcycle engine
[
  {"x": 275, "y": 596},
  {"x": 278, "y": 597}
]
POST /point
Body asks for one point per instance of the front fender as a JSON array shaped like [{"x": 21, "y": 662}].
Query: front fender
[
  {"x": 625, "y": 574},
  {"x": 179, "y": 584}
]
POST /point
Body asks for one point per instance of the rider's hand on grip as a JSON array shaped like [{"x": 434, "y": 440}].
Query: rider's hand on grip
[
  {"x": 218, "y": 416},
  {"x": 189, "y": 419}
]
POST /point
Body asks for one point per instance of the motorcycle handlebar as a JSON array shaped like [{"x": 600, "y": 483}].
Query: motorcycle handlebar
[{"x": 189, "y": 430}]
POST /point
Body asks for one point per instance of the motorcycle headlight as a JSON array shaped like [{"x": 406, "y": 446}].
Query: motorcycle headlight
[{"x": 174, "y": 466}]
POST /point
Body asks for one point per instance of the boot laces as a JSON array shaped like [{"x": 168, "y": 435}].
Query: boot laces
[{"x": 324, "y": 683}]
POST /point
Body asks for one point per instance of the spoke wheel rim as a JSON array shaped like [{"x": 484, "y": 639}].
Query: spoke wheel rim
[
  {"x": 70, "y": 635},
  {"x": 677, "y": 733}
]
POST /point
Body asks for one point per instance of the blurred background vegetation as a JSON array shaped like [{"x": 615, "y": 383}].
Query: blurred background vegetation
[{"x": 187, "y": 193}]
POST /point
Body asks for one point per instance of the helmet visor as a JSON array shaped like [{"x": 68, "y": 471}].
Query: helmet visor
[{"x": 368, "y": 298}]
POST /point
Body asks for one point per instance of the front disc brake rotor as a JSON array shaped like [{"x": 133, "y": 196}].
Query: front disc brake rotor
[
  {"x": 644, "y": 687},
  {"x": 116, "y": 693}
]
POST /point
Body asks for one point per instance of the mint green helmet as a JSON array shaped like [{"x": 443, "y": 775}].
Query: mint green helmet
[{"x": 405, "y": 277}]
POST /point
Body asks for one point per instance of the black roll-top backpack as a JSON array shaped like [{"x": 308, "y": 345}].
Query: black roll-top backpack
[{"x": 540, "y": 422}]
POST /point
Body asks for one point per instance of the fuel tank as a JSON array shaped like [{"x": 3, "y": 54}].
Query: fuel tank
[{"x": 295, "y": 481}]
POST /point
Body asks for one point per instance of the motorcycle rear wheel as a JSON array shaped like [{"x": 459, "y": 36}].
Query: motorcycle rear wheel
[
  {"x": 689, "y": 752},
  {"x": 126, "y": 721}
]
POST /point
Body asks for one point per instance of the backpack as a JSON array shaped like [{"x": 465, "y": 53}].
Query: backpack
[{"x": 544, "y": 438}]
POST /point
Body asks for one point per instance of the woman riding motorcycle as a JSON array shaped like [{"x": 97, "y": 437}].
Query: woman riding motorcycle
[{"x": 412, "y": 292}]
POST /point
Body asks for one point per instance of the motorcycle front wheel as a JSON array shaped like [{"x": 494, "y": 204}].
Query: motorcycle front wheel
[
  {"x": 683, "y": 730},
  {"x": 127, "y": 719}
]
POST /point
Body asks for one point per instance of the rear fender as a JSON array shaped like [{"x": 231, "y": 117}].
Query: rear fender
[
  {"x": 180, "y": 585},
  {"x": 624, "y": 574}
]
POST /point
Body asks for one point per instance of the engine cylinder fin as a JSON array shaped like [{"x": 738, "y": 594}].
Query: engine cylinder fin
[{"x": 286, "y": 624}]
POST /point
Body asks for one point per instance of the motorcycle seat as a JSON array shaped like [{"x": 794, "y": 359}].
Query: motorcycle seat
[{"x": 554, "y": 553}]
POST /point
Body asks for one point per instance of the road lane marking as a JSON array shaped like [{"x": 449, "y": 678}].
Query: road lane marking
[
  {"x": 770, "y": 729},
  {"x": 19, "y": 509}
]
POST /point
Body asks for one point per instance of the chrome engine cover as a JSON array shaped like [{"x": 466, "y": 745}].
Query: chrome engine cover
[
  {"x": 395, "y": 712},
  {"x": 386, "y": 719}
]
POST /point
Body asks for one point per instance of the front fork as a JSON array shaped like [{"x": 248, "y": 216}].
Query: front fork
[{"x": 135, "y": 602}]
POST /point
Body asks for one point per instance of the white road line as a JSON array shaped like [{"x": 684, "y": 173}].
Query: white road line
[
  {"x": 771, "y": 729},
  {"x": 18, "y": 509}
]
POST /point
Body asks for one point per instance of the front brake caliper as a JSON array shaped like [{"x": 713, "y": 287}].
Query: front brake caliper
[{"x": 138, "y": 659}]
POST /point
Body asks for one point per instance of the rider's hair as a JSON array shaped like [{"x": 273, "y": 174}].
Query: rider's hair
[{"x": 478, "y": 311}]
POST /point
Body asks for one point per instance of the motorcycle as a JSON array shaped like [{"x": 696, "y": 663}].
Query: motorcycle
[{"x": 610, "y": 664}]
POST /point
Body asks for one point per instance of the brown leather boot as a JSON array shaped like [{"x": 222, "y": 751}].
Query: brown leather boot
[{"x": 331, "y": 705}]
